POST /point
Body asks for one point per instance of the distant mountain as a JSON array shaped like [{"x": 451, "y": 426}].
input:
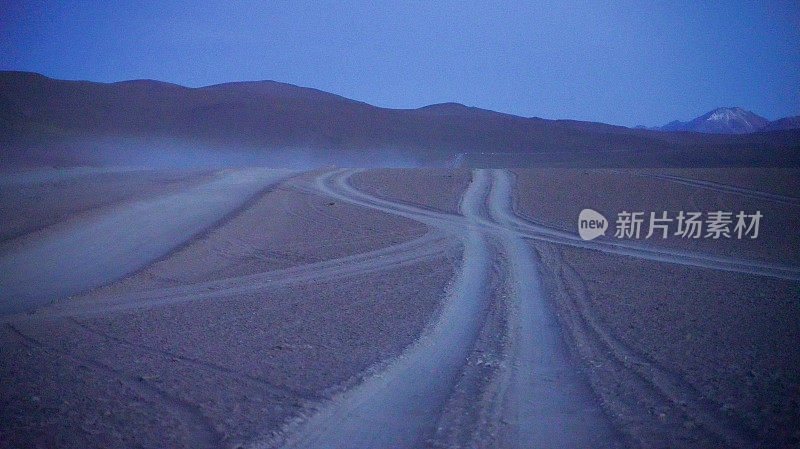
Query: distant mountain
[
  {"x": 44, "y": 121},
  {"x": 784, "y": 123},
  {"x": 730, "y": 121}
]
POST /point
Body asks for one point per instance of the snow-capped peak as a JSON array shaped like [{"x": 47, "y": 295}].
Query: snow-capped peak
[{"x": 733, "y": 120}]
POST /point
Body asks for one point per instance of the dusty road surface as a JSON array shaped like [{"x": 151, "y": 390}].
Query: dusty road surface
[
  {"x": 544, "y": 400},
  {"x": 92, "y": 252},
  {"x": 351, "y": 308}
]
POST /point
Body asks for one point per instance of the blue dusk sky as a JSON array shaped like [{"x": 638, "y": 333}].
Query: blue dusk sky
[{"x": 619, "y": 62}]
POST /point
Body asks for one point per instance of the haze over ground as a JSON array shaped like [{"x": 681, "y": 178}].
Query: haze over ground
[
  {"x": 47, "y": 122},
  {"x": 158, "y": 290}
]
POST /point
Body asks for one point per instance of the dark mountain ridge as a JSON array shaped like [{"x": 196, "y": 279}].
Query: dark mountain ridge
[{"x": 45, "y": 121}]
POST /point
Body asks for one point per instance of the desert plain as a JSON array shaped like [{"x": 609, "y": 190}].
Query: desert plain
[{"x": 260, "y": 308}]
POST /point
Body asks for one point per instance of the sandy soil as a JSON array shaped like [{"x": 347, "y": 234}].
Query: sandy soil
[
  {"x": 284, "y": 227},
  {"x": 438, "y": 189},
  {"x": 782, "y": 181},
  {"x": 35, "y": 200},
  {"x": 307, "y": 300},
  {"x": 722, "y": 346},
  {"x": 207, "y": 373},
  {"x": 226, "y": 370},
  {"x": 555, "y": 197}
]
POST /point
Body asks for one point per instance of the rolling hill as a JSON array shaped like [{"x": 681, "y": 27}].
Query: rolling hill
[{"x": 44, "y": 121}]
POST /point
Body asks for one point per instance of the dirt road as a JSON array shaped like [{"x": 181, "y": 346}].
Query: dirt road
[
  {"x": 539, "y": 396},
  {"x": 107, "y": 246},
  {"x": 546, "y": 402}
]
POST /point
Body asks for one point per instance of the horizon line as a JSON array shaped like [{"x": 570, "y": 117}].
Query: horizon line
[{"x": 637, "y": 126}]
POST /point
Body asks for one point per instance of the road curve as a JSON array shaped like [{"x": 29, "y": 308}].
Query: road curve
[
  {"x": 426, "y": 247},
  {"x": 546, "y": 403},
  {"x": 399, "y": 406},
  {"x": 336, "y": 184}
]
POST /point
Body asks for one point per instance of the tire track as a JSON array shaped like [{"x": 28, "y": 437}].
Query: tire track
[
  {"x": 566, "y": 414},
  {"x": 334, "y": 184},
  {"x": 274, "y": 389},
  {"x": 545, "y": 403},
  {"x": 117, "y": 242},
  {"x": 658, "y": 384},
  {"x": 427, "y": 247},
  {"x": 534, "y": 231},
  {"x": 549, "y": 404},
  {"x": 399, "y": 407},
  {"x": 726, "y": 188},
  {"x": 203, "y": 433}
]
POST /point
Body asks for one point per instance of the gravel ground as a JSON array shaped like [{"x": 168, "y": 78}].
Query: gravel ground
[
  {"x": 46, "y": 201},
  {"x": 206, "y": 373},
  {"x": 556, "y": 196},
  {"x": 438, "y": 189},
  {"x": 226, "y": 371},
  {"x": 734, "y": 339},
  {"x": 782, "y": 181},
  {"x": 283, "y": 228},
  {"x": 679, "y": 356}
]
